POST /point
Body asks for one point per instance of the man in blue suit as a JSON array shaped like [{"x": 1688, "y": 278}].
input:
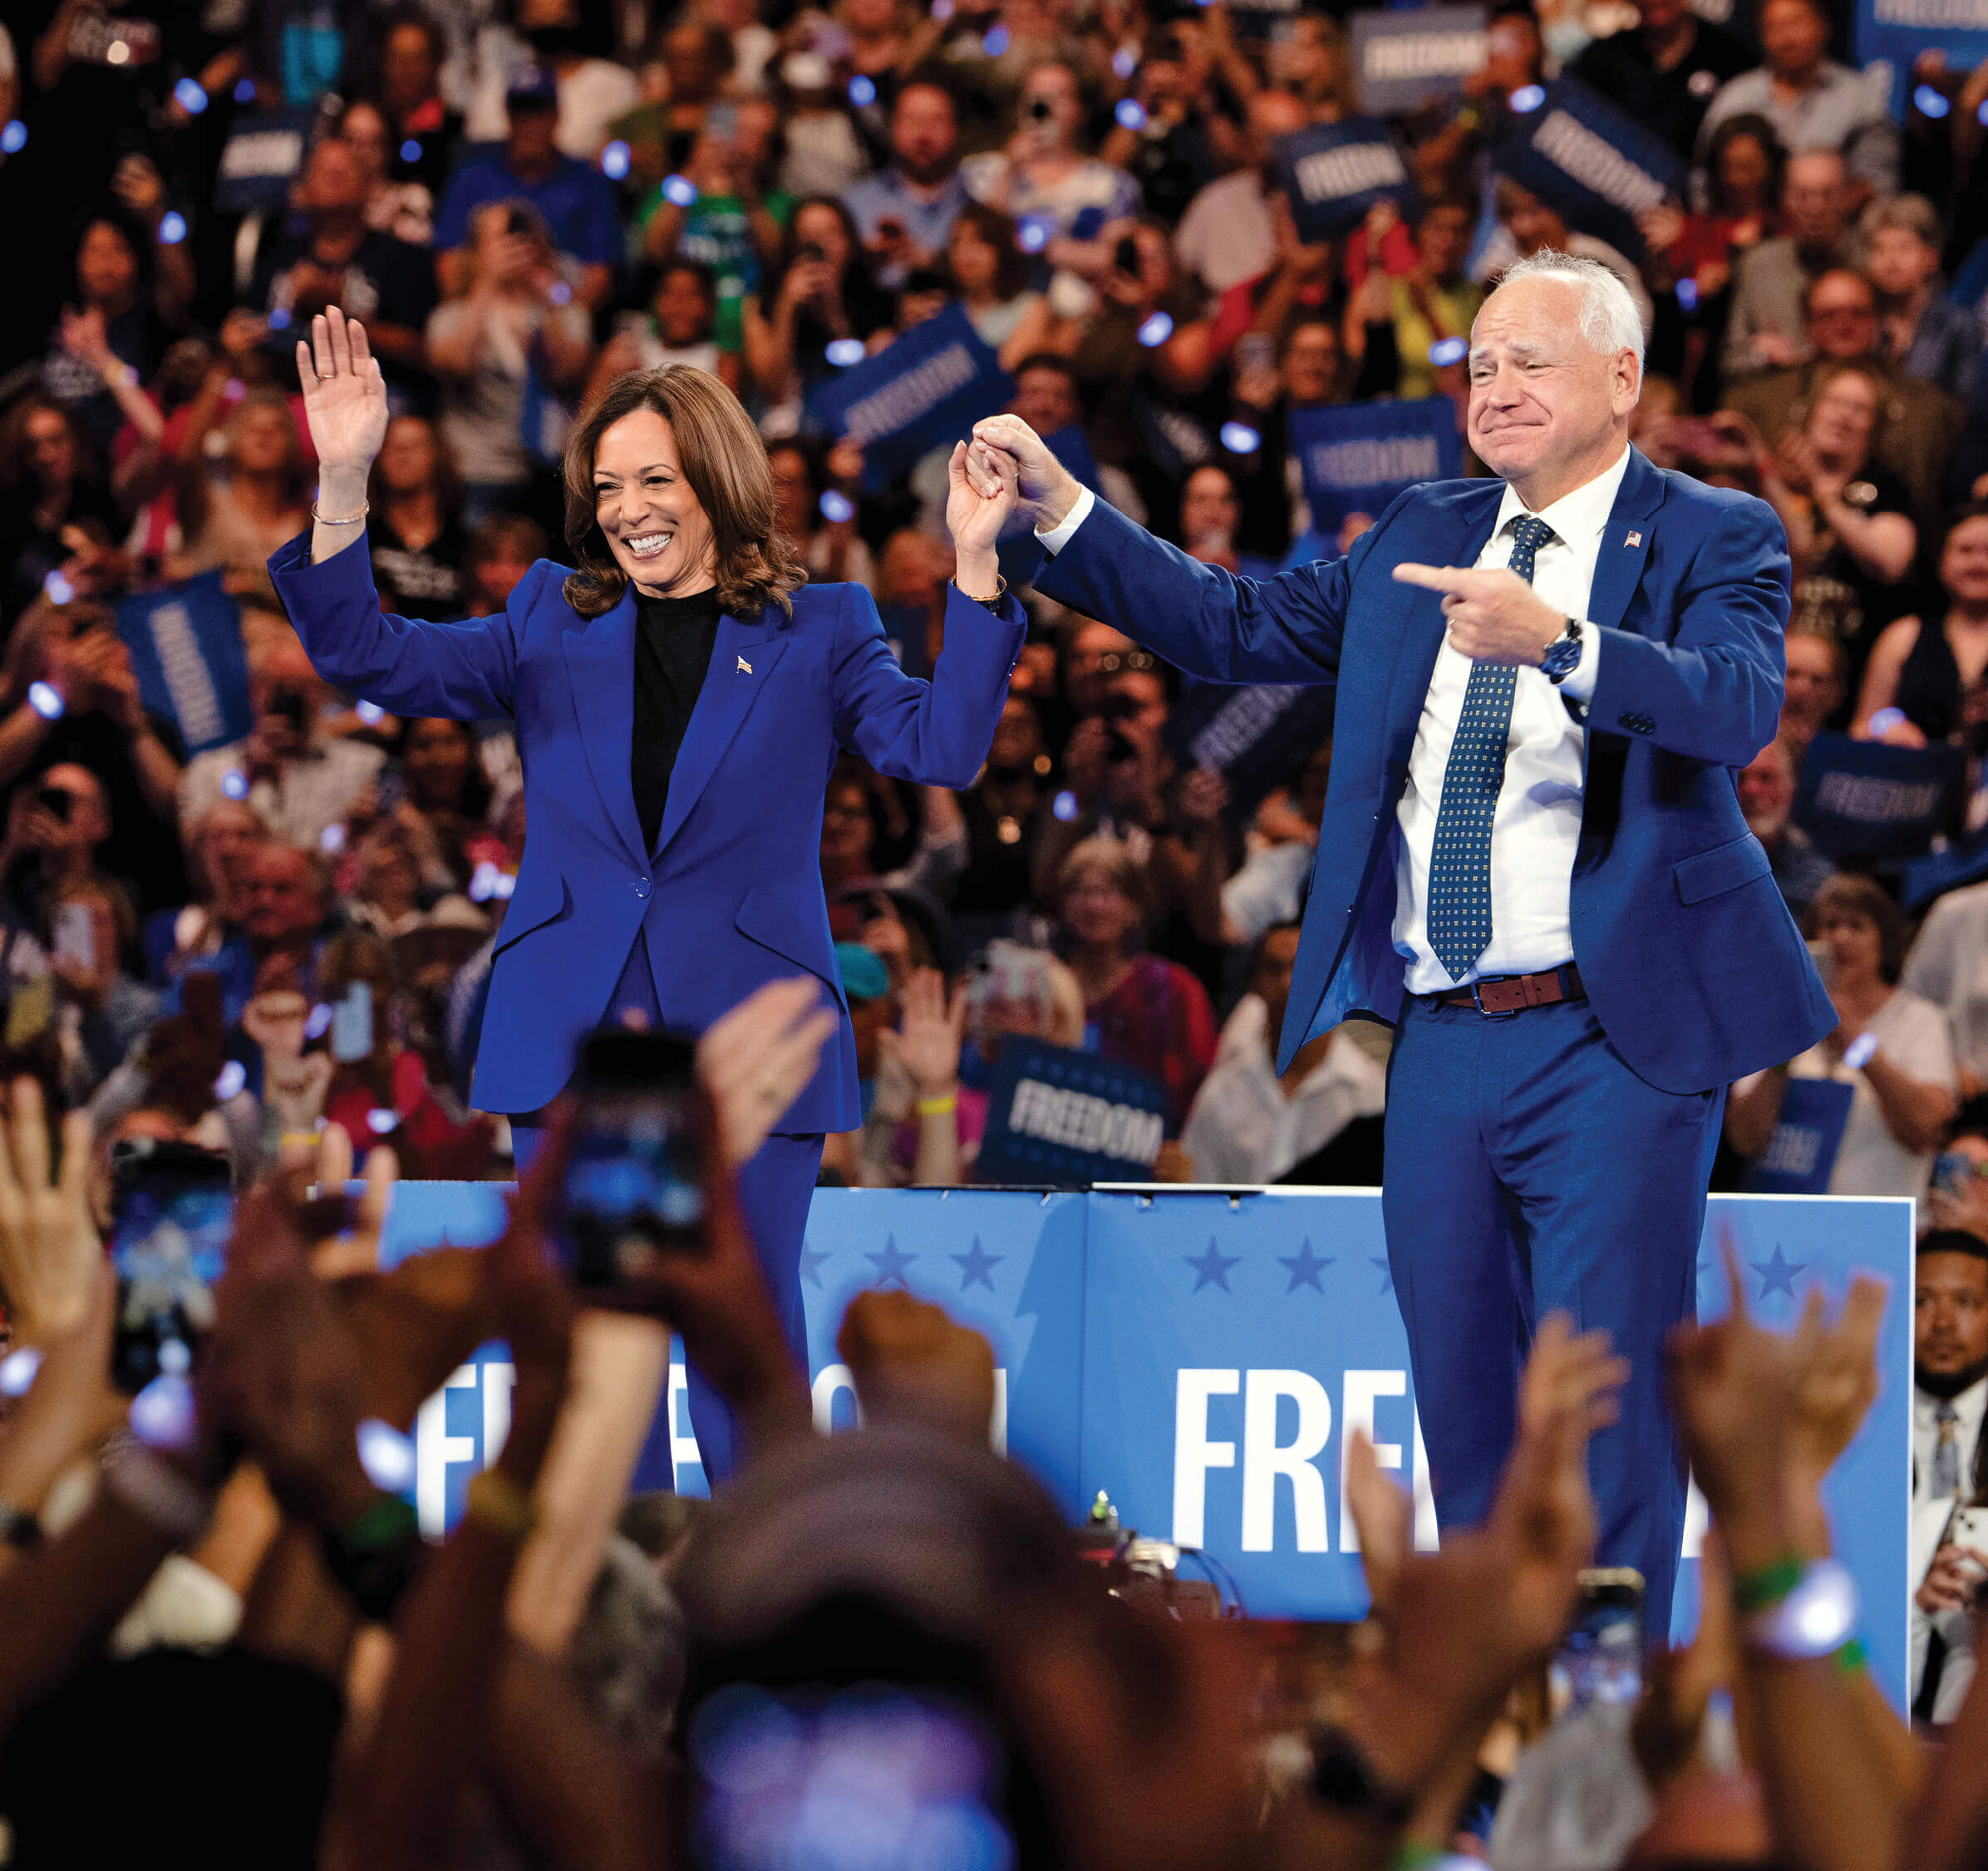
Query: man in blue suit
[{"x": 1532, "y": 861}]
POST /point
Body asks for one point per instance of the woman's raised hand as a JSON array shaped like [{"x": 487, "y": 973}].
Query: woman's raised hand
[
  {"x": 978, "y": 503},
  {"x": 344, "y": 397}
]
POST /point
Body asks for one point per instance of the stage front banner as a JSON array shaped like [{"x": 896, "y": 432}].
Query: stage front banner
[{"x": 1203, "y": 1356}]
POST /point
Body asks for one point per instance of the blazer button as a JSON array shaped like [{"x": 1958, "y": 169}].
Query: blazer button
[{"x": 642, "y": 887}]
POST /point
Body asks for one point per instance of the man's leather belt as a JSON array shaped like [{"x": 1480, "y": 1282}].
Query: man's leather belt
[{"x": 1513, "y": 993}]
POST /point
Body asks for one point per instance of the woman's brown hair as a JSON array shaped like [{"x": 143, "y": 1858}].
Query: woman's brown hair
[
  {"x": 725, "y": 462},
  {"x": 1849, "y": 894}
]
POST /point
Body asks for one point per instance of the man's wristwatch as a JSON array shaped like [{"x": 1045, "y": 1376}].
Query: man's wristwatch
[{"x": 1562, "y": 655}]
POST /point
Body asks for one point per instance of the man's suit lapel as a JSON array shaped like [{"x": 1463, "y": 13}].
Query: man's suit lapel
[
  {"x": 1626, "y": 542},
  {"x": 742, "y": 657},
  {"x": 600, "y": 666}
]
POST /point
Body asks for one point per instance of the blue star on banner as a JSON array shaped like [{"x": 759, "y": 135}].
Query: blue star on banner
[
  {"x": 1213, "y": 1267},
  {"x": 1305, "y": 1267},
  {"x": 811, "y": 1260},
  {"x": 977, "y": 1265},
  {"x": 891, "y": 1263},
  {"x": 1387, "y": 1275},
  {"x": 1777, "y": 1275}
]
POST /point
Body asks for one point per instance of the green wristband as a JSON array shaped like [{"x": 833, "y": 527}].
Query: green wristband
[
  {"x": 1851, "y": 1658},
  {"x": 1411, "y": 1854},
  {"x": 1766, "y": 1587}
]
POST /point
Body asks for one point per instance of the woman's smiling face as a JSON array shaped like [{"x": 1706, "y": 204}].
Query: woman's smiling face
[{"x": 659, "y": 534}]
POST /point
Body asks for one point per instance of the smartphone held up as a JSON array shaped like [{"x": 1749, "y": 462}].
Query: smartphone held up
[
  {"x": 173, "y": 1214},
  {"x": 634, "y": 1190}
]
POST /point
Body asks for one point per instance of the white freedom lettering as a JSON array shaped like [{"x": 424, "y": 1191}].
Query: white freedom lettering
[
  {"x": 899, "y": 404},
  {"x": 1372, "y": 463},
  {"x": 1079, "y": 1121},
  {"x": 1595, "y": 163}
]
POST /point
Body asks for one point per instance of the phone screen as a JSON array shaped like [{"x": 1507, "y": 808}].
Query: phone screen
[
  {"x": 1601, "y": 1659},
  {"x": 634, "y": 1181},
  {"x": 175, "y": 1214},
  {"x": 877, "y": 1775},
  {"x": 75, "y": 931},
  {"x": 352, "y": 1023}
]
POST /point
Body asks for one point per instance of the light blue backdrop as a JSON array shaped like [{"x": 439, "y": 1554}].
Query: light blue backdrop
[{"x": 1202, "y": 1357}]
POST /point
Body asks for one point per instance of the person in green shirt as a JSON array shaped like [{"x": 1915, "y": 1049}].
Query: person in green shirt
[{"x": 717, "y": 213}]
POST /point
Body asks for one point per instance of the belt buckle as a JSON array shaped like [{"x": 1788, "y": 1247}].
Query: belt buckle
[{"x": 1477, "y": 1000}]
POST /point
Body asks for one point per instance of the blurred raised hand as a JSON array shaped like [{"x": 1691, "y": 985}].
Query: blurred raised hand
[
  {"x": 49, "y": 1248},
  {"x": 757, "y": 1059}
]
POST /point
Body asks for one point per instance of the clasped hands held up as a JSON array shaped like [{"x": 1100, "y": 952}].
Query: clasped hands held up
[{"x": 1494, "y": 615}]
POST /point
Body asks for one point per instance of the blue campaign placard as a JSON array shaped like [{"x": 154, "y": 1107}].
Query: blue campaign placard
[
  {"x": 1356, "y": 457},
  {"x": 930, "y": 386},
  {"x": 1010, "y": 1265},
  {"x": 1889, "y": 34},
  {"x": 186, "y": 652},
  {"x": 1864, "y": 799},
  {"x": 1057, "y": 1116},
  {"x": 262, "y": 154},
  {"x": 1801, "y": 1152},
  {"x": 1332, "y": 174},
  {"x": 1593, "y": 162},
  {"x": 1255, "y": 736},
  {"x": 1406, "y": 56}
]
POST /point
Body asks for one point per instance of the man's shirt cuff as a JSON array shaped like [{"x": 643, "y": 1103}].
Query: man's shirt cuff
[
  {"x": 1578, "y": 684},
  {"x": 1059, "y": 536}
]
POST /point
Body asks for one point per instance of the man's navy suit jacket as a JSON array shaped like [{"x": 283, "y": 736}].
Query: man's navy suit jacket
[
  {"x": 731, "y": 897},
  {"x": 1691, "y": 960}
]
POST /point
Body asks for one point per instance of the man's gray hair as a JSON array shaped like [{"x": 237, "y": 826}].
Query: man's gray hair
[{"x": 1609, "y": 319}]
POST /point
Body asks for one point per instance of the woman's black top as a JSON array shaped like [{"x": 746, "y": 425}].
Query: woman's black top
[
  {"x": 1929, "y": 693},
  {"x": 673, "y": 639}
]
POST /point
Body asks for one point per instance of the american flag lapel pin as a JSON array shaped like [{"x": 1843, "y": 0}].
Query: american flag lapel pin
[
  {"x": 745, "y": 667},
  {"x": 1634, "y": 539}
]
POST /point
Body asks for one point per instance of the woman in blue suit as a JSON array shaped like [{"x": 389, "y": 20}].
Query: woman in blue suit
[{"x": 679, "y": 697}]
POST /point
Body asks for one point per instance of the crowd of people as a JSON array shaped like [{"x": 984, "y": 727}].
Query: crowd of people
[
  {"x": 523, "y": 200},
  {"x": 523, "y": 203}
]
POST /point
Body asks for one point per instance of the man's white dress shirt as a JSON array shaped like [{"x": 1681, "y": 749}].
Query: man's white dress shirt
[{"x": 1537, "y": 827}]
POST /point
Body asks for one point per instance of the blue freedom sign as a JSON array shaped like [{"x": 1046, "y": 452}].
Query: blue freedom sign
[
  {"x": 186, "y": 652},
  {"x": 1801, "y": 1152},
  {"x": 1862, "y": 799},
  {"x": 1332, "y": 174},
  {"x": 1204, "y": 1359},
  {"x": 1889, "y": 34},
  {"x": 1593, "y": 162},
  {"x": 263, "y": 152},
  {"x": 1406, "y": 56},
  {"x": 930, "y": 386},
  {"x": 1056, "y": 1116},
  {"x": 1356, "y": 457},
  {"x": 1256, "y": 738}
]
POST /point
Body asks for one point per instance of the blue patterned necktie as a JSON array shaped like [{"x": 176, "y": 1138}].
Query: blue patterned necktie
[{"x": 1459, "y": 870}]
